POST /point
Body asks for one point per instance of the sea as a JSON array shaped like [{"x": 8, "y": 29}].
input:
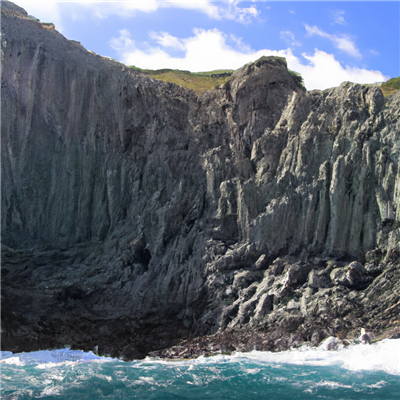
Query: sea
[{"x": 359, "y": 371}]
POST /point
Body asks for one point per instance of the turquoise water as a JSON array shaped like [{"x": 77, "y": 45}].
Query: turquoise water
[{"x": 362, "y": 372}]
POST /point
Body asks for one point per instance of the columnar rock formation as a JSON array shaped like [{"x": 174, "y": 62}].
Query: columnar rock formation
[{"x": 135, "y": 213}]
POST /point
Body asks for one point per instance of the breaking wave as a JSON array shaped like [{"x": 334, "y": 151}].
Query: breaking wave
[{"x": 363, "y": 371}]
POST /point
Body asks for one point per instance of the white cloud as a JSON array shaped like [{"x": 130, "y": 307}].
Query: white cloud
[
  {"x": 205, "y": 51},
  {"x": 129, "y": 8},
  {"x": 124, "y": 44},
  {"x": 325, "y": 71},
  {"x": 234, "y": 12},
  {"x": 342, "y": 42},
  {"x": 50, "y": 9},
  {"x": 166, "y": 40},
  {"x": 288, "y": 37},
  {"x": 338, "y": 17},
  {"x": 217, "y": 10},
  {"x": 240, "y": 45},
  {"x": 208, "y": 50}
]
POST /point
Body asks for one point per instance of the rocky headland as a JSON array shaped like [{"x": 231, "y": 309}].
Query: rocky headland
[{"x": 141, "y": 218}]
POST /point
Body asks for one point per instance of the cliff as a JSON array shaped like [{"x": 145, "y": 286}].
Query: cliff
[{"x": 136, "y": 213}]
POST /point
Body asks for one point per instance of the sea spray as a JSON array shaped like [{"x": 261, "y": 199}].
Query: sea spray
[{"x": 364, "y": 371}]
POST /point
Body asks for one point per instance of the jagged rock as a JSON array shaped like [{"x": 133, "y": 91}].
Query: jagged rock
[
  {"x": 132, "y": 208},
  {"x": 353, "y": 275},
  {"x": 317, "y": 337},
  {"x": 374, "y": 270},
  {"x": 297, "y": 275},
  {"x": 277, "y": 267},
  {"x": 374, "y": 256},
  {"x": 265, "y": 305},
  {"x": 365, "y": 337},
  {"x": 245, "y": 278},
  {"x": 262, "y": 262},
  {"x": 319, "y": 278},
  {"x": 329, "y": 343},
  {"x": 237, "y": 258}
]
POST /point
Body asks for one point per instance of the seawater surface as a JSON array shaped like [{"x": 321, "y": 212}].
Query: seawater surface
[{"x": 364, "y": 371}]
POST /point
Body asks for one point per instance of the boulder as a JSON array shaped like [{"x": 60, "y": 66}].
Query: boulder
[
  {"x": 319, "y": 279},
  {"x": 353, "y": 276},
  {"x": 374, "y": 256}
]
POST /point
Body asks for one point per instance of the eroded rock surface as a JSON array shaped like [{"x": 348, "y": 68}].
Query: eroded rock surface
[{"x": 136, "y": 214}]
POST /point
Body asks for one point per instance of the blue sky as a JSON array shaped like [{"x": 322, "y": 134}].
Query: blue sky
[{"x": 327, "y": 42}]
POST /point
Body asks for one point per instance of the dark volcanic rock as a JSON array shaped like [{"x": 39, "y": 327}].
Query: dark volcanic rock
[{"x": 136, "y": 214}]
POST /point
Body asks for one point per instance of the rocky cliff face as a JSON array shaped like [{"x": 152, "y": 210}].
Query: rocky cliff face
[{"x": 135, "y": 213}]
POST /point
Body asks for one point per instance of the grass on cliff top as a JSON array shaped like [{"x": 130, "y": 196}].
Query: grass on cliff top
[
  {"x": 197, "y": 81},
  {"x": 391, "y": 86},
  {"x": 202, "y": 81}
]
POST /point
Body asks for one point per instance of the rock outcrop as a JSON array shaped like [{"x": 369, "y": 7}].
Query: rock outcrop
[{"x": 136, "y": 214}]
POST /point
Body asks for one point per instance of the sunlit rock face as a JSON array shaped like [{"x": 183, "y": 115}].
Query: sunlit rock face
[{"x": 135, "y": 213}]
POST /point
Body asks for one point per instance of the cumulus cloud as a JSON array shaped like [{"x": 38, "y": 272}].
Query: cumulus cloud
[
  {"x": 219, "y": 10},
  {"x": 165, "y": 40},
  {"x": 342, "y": 42},
  {"x": 205, "y": 51},
  {"x": 208, "y": 50},
  {"x": 324, "y": 71}
]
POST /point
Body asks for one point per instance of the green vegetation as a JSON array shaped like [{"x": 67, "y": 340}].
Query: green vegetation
[
  {"x": 202, "y": 81},
  {"x": 267, "y": 58},
  {"x": 298, "y": 78},
  {"x": 197, "y": 81},
  {"x": 391, "y": 86}
]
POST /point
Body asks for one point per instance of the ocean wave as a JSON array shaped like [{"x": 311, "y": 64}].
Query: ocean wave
[
  {"x": 380, "y": 356},
  {"x": 300, "y": 373},
  {"x": 51, "y": 358}
]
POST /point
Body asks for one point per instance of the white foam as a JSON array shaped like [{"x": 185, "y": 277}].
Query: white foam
[
  {"x": 380, "y": 356},
  {"x": 51, "y": 391},
  {"x": 55, "y": 365},
  {"x": 378, "y": 385},
  {"x": 51, "y": 358},
  {"x": 12, "y": 361},
  {"x": 333, "y": 385}
]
